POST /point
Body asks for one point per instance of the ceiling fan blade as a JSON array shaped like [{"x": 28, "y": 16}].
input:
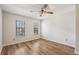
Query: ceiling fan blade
[{"x": 50, "y": 12}]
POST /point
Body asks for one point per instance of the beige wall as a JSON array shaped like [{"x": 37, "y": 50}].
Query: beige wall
[
  {"x": 0, "y": 30},
  {"x": 77, "y": 29},
  {"x": 9, "y": 28},
  {"x": 60, "y": 27}
]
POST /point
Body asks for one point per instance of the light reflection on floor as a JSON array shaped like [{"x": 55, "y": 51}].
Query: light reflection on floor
[
  {"x": 23, "y": 50},
  {"x": 20, "y": 51},
  {"x": 35, "y": 48}
]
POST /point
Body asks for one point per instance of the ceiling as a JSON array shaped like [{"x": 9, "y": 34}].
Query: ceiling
[{"x": 25, "y": 9}]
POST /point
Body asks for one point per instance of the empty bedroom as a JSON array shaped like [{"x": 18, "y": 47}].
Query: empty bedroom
[{"x": 38, "y": 29}]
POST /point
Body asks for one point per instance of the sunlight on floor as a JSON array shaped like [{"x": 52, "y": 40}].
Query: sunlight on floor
[
  {"x": 20, "y": 51},
  {"x": 35, "y": 48}
]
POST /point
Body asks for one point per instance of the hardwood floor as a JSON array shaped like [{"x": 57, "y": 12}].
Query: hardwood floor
[{"x": 38, "y": 47}]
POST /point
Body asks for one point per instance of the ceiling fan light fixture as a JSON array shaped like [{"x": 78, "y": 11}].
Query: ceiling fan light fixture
[{"x": 44, "y": 10}]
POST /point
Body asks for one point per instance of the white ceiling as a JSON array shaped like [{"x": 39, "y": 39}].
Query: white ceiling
[{"x": 24, "y": 9}]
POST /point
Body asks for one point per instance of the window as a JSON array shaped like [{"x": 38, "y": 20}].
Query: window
[
  {"x": 35, "y": 28},
  {"x": 20, "y": 28}
]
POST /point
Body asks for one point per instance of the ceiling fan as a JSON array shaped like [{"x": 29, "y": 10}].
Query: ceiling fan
[{"x": 44, "y": 10}]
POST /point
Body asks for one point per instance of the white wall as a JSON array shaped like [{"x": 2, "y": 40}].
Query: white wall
[
  {"x": 0, "y": 30},
  {"x": 9, "y": 28},
  {"x": 77, "y": 29},
  {"x": 60, "y": 27}
]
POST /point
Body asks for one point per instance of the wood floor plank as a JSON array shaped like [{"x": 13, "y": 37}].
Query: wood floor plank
[{"x": 38, "y": 47}]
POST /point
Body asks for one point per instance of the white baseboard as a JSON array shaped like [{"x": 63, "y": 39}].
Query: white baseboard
[
  {"x": 59, "y": 42},
  {"x": 17, "y": 42}
]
